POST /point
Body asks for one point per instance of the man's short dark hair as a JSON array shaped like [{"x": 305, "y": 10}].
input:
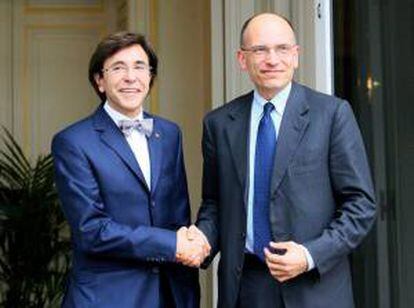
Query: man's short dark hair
[
  {"x": 247, "y": 22},
  {"x": 113, "y": 43}
]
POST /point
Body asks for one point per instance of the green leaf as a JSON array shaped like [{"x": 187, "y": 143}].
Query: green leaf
[{"x": 34, "y": 236}]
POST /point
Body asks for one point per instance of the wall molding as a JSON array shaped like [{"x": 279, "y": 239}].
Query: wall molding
[
  {"x": 144, "y": 18},
  {"x": 29, "y": 123},
  {"x": 62, "y": 7}
]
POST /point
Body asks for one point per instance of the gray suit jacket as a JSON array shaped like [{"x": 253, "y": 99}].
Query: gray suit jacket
[{"x": 321, "y": 194}]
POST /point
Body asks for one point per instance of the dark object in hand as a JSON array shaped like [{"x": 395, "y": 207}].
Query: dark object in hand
[{"x": 278, "y": 251}]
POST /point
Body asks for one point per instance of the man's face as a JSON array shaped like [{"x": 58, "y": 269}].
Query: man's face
[
  {"x": 126, "y": 79},
  {"x": 269, "y": 54}
]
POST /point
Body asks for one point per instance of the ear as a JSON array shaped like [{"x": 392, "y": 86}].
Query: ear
[
  {"x": 99, "y": 81},
  {"x": 296, "y": 57},
  {"x": 241, "y": 58}
]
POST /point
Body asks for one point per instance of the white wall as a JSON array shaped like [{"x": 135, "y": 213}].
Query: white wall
[{"x": 6, "y": 74}]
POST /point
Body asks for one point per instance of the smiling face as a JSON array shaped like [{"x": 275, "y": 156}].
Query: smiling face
[
  {"x": 272, "y": 70},
  {"x": 123, "y": 80}
]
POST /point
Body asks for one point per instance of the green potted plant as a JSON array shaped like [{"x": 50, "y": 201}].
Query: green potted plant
[{"x": 34, "y": 239}]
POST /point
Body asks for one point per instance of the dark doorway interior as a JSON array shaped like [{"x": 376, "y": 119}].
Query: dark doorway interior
[{"x": 374, "y": 70}]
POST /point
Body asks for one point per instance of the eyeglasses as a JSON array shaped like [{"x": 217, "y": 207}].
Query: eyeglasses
[
  {"x": 122, "y": 69},
  {"x": 262, "y": 51}
]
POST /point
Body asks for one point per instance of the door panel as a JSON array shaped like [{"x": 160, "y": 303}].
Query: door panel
[
  {"x": 399, "y": 77},
  {"x": 373, "y": 69},
  {"x": 52, "y": 42}
]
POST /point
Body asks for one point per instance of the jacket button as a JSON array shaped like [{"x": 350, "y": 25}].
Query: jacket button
[
  {"x": 155, "y": 270},
  {"x": 153, "y": 203},
  {"x": 239, "y": 270}
]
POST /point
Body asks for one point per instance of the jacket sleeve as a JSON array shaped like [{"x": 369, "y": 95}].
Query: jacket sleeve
[
  {"x": 353, "y": 190},
  {"x": 93, "y": 230},
  {"x": 207, "y": 218}
]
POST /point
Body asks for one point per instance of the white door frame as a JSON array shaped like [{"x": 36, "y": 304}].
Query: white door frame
[{"x": 323, "y": 46}]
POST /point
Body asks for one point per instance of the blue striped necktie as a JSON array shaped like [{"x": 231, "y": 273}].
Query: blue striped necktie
[{"x": 263, "y": 169}]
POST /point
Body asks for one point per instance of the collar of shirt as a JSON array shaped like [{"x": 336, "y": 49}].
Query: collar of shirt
[
  {"x": 137, "y": 142},
  {"x": 116, "y": 116},
  {"x": 279, "y": 100}
]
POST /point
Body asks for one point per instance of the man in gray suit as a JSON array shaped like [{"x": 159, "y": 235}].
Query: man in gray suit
[{"x": 287, "y": 192}]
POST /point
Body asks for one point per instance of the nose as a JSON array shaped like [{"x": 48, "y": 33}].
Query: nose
[
  {"x": 272, "y": 56},
  {"x": 130, "y": 75}
]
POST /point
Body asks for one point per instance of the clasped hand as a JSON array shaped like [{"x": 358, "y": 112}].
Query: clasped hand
[
  {"x": 287, "y": 265},
  {"x": 192, "y": 246}
]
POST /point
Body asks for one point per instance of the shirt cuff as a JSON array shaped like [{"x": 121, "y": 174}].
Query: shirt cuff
[{"x": 309, "y": 259}]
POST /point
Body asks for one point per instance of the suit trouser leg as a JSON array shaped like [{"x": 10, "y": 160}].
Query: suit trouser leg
[
  {"x": 258, "y": 289},
  {"x": 166, "y": 297}
]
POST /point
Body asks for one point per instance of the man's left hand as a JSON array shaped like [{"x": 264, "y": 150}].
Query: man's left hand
[{"x": 289, "y": 265}]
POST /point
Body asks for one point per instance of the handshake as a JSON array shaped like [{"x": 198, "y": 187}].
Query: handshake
[{"x": 192, "y": 246}]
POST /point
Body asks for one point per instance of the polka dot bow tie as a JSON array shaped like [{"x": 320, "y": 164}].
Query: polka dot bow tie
[{"x": 144, "y": 126}]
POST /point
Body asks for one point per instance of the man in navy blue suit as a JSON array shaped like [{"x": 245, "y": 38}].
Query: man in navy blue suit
[
  {"x": 122, "y": 184},
  {"x": 287, "y": 191}
]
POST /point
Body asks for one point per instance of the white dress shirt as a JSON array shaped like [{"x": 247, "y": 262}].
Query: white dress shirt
[
  {"x": 279, "y": 101},
  {"x": 136, "y": 140}
]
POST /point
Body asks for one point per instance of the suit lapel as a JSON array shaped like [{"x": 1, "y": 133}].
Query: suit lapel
[
  {"x": 155, "y": 152},
  {"x": 114, "y": 139},
  {"x": 237, "y": 133},
  {"x": 294, "y": 123}
]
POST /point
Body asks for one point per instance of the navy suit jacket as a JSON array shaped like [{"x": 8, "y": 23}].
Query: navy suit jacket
[
  {"x": 321, "y": 193},
  {"x": 123, "y": 233}
]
